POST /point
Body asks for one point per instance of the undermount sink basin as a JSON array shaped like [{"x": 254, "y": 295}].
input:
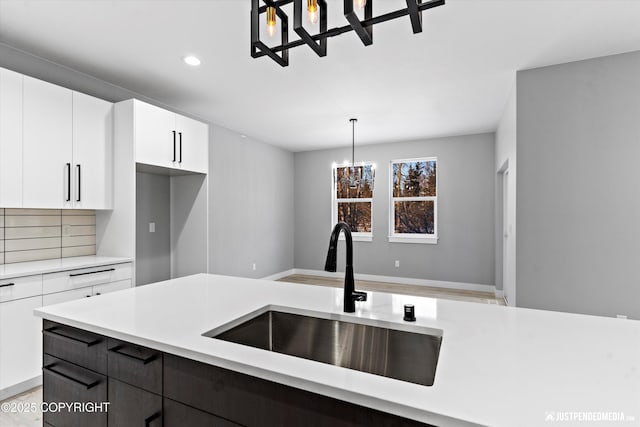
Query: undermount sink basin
[{"x": 408, "y": 354}]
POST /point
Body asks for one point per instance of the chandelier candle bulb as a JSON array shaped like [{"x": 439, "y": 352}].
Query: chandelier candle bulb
[
  {"x": 312, "y": 9},
  {"x": 271, "y": 21},
  {"x": 360, "y": 4}
]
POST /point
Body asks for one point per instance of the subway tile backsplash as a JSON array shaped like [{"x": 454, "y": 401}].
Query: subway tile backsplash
[{"x": 38, "y": 234}]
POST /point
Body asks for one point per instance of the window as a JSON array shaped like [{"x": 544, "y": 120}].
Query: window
[
  {"x": 414, "y": 201},
  {"x": 353, "y": 198}
]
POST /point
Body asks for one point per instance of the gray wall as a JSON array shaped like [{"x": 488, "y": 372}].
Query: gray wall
[
  {"x": 506, "y": 157},
  {"x": 465, "y": 251},
  {"x": 250, "y": 206},
  {"x": 578, "y": 209},
  {"x": 153, "y": 250}
]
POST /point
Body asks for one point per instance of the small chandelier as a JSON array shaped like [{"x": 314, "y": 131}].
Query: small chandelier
[
  {"x": 356, "y": 176},
  {"x": 317, "y": 15}
]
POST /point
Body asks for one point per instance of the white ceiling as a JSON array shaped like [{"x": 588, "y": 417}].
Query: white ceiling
[{"x": 454, "y": 78}]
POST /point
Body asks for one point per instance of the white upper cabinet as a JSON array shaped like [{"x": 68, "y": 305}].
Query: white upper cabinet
[
  {"x": 10, "y": 139},
  {"x": 193, "y": 143},
  {"x": 56, "y": 146},
  {"x": 155, "y": 135},
  {"x": 92, "y": 152},
  {"x": 169, "y": 140},
  {"x": 47, "y": 145}
]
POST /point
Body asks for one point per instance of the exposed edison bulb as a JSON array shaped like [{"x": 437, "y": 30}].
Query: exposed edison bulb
[
  {"x": 360, "y": 4},
  {"x": 312, "y": 9},
  {"x": 271, "y": 21}
]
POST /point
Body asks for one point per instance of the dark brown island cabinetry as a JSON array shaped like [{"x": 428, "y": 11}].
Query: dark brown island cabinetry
[{"x": 149, "y": 388}]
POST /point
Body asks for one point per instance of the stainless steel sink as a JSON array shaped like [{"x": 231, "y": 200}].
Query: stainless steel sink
[{"x": 400, "y": 354}]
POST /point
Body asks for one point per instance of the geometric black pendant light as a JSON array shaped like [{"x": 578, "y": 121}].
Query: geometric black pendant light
[{"x": 270, "y": 12}]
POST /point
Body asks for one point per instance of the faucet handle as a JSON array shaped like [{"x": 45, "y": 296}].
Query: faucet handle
[{"x": 359, "y": 296}]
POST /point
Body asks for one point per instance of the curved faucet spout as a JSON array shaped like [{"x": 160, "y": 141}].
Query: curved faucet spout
[{"x": 350, "y": 294}]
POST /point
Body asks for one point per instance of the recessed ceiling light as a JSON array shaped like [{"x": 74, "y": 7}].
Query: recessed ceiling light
[{"x": 191, "y": 60}]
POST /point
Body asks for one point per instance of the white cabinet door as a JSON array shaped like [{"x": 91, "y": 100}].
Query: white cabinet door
[
  {"x": 92, "y": 152},
  {"x": 156, "y": 138},
  {"x": 20, "y": 341},
  {"x": 193, "y": 143},
  {"x": 10, "y": 139},
  {"x": 47, "y": 163}
]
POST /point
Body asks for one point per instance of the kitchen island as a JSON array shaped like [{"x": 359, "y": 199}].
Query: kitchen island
[{"x": 498, "y": 366}]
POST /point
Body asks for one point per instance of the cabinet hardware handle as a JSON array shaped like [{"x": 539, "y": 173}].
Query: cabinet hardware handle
[
  {"x": 6, "y": 285},
  {"x": 180, "y": 133},
  {"x": 92, "y": 272},
  {"x": 152, "y": 418},
  {"x": 49, "y": 368},
  {"x": 98, "y": 293},
  {"x": 174, "y": 145},
  {"x": 56, "y": 334},
  {"x": 68, "y": 182},
  {"x": 79, "y": 184},
  {"x": 143, "y": 360}
]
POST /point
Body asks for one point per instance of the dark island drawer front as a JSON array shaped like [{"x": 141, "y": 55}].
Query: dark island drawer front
[
  {"x": 65, "y": 382},
  {"x": 133, "y": 407},
  {"x": 179, "y": 415},
  {"x": 252, "y": 401},
  {"x": 74, "y": 345},
  {"x": 135, "y": 365}
]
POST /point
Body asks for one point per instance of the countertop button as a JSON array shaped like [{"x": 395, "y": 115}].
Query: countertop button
[{"x": 409, "y": 313}]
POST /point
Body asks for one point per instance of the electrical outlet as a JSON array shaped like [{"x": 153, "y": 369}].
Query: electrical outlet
[
  {"x": 254, "y": 266},
  {"x": 397, "y": 263},
  {"x": 621, "y": 316},
  {"x": 152, "y": 227}
]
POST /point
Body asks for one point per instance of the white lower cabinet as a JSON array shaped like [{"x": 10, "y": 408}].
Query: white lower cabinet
[
  {"x": 21, "y": 330},
  {"x": 20, "y": 341}
]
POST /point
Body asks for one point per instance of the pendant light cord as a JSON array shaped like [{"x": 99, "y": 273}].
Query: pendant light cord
[{"x": 353, "y": 141}]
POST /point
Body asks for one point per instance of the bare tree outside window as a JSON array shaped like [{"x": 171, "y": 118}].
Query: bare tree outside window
[
  {"x": 353, "y": 196},
  {"x": 414, "y": 198}
]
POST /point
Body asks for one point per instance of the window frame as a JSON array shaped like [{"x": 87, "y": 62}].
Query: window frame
[
  {"x": 357, "y": 236},
  {"x": 394, "y": 237}
]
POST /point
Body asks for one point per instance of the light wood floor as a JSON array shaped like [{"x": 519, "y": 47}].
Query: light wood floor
[
  {"x": 24, "y": 418},
  {"x": 398, "y": 288}
]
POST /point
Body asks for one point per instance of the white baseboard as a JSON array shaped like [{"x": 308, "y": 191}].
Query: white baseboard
[
  {"x": 391, "y": 279},
  {"x": 499, "y": 293},
  {"x": 280, "y": 275},
  {"x": 19, "y": 388}
]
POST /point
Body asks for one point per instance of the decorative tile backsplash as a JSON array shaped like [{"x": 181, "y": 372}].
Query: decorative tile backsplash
[{"x": 37, "y": 234}]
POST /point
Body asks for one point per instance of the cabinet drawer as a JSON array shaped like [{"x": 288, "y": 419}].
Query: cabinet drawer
[
  {"x": 135, "y": 365},
  {"x": 112, "y": 287},
  {"x": 72, "y": 279},
  {"x": 83, "y": 348},
  {"x": 66, "y": 382},
  {"x": 179, "y": 415},
  {"x": 20, "y": 287},
  {"x": 133, "y": 407},
  {"x": 71, "y": 295}
]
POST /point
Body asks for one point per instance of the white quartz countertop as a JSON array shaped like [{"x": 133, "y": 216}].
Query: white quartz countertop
[
  {"x": 9, "y": 271},
  {"x": 498, "y": 366}
]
